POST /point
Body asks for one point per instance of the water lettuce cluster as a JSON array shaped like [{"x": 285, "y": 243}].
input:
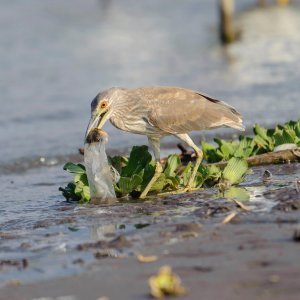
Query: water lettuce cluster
[
  {"x": 263, "y": 141},
  {"x": 137, "y": 169}
]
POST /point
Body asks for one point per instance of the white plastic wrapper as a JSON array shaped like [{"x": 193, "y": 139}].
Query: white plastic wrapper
[{"x": 99, "y": 172}]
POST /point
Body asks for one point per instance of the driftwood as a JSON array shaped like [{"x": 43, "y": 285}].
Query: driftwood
[{"x": 270, "y": 158}]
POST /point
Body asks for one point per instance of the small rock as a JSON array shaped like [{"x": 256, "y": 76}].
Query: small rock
[
  {"x": 266, "y": 176},
  {"x": 188, "y": 227}
]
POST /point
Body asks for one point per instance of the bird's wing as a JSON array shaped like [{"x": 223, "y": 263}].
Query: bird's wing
[{"x": 176, "y": 110}]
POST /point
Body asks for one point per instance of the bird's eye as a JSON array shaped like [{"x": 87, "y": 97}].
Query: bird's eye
[{"x": 103, "y": 104}]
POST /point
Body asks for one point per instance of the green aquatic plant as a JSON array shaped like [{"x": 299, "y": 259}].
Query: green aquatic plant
[
  {"x": 263, "y": 141},
  {"x": 78, "y": 189},
  {"x": 137, "y": 170}
]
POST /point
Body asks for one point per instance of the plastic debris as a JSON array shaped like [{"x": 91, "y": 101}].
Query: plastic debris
[{"x": 99, "y": 173}]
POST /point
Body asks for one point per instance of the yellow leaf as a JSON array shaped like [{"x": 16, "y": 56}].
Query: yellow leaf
[
  {"x": 146, "y": 259},
  {"x": 165, "y": 283}
]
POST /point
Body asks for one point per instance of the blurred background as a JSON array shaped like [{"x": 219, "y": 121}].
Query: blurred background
[{"x": 56, "y": 55}]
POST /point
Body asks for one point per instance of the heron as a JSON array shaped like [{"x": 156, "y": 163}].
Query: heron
[{"x": 158, "y": 111}]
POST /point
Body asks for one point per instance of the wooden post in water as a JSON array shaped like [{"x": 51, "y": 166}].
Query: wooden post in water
[
  {"x": 279, "y": 2},
  {"x": 226, "y": 11},
  {"x": 261, "y": 2},
  {"x": 283, "y": 2}
]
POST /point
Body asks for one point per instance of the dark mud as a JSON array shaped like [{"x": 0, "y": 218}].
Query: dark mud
[
  {"x": 93, "y": 248},
  {"x": 233, "y": 261}
]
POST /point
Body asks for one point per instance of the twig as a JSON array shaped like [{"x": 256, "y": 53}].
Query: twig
[
  {"x": 241, "y": 205},
  {"x": 230, "y": 217}
]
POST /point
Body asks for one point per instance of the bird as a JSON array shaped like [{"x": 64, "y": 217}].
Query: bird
[{"x": 157, "y": 111}]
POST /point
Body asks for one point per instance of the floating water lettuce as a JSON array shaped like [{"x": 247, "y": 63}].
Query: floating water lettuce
[
  {"x": 78, "y": 190},
  {"x": 235, "y": 170},
  {"x": 137, "y": 170},
  {"x": 263, "y": 141}
]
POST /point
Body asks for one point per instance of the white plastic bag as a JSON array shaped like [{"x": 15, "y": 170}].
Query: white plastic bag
[{"x": 99, "y": 173}]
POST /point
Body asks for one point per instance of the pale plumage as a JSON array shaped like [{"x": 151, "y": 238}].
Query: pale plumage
[{"x": 159, "y": 111}]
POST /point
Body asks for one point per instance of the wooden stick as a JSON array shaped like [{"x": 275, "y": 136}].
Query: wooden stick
[
  {"x": 229, "y": 217},
  {"x": 270, "y": 158}
]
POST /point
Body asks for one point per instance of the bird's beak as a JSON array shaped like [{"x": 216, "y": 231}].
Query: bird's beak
[{"x": 97, "y": 120}]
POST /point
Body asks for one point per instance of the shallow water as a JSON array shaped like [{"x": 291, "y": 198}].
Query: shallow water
[{"x": 56, "y": 55}]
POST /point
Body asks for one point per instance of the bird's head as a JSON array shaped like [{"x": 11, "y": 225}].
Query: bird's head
[{"x": 101, "y": 109}]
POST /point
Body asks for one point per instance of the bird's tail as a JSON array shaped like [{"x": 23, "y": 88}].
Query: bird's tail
[{"x": 226, "y": 115}]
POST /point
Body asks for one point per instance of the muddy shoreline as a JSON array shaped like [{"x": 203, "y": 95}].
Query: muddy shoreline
[{"x": 254, "y": 256}]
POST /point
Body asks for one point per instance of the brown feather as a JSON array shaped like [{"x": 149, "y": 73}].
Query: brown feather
[{"x": 177, "y": 110}]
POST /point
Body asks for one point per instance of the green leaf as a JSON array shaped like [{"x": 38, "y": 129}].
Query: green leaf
[
  {"x": 69, "y": 192},
  {"x": 210, "y": 153},
  {"x": 212, "y": 171},
  {"x": 128, "y": 184},
  {"x": 148, "y": 174},
  {"x": 118, "y": 162},
  {"x": 78, "y": 188},
  {"x": 86, "y": 196},
  {"x": 125, "y": 185},
  {"x": 136, "y": 181},
  {"x": 263, "y": 137},
  {"x": 227, "y": 149},
  {"x": 138, "y": 159},
  {"x": 173, "y": 182},
  {"x": 297, "y": 129},
  {"x": 199, "y": 180},
  {"x": 261, "y": 143},
  {"x": 74, "y": 168},
  {"x": 262, "y": 132},
  {"x": 159, "y": 183},
  {"x": 185, "y": 175},
  {"x": 237, "y": 193},
  {"x": 235, "y": 170},
  {"x": 245, "y": 147},
  {"x": 171, "y": 165},
  {"x": 286, "y": 136}
]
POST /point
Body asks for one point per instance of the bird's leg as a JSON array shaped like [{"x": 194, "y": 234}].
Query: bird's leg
[
  {"x": 199, "y": 157},
  {"x": 155, "y": 145},
  {"x": 157, "y": 173}
]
